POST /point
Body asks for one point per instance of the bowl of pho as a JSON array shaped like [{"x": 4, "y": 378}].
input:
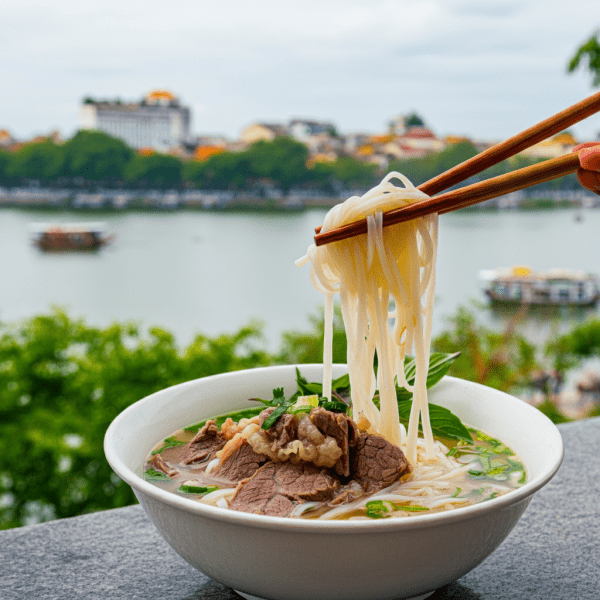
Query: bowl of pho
[{"x": 268, "y": 486}]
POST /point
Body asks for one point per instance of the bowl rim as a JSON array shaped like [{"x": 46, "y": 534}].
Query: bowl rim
[{"x": 422, "y": 521}]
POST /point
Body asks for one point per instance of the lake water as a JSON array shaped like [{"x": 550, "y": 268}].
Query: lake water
[{"x": 211, "y": 273}]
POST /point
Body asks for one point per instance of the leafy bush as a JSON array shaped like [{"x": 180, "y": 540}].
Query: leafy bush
[{"x": 62, "y": 383}]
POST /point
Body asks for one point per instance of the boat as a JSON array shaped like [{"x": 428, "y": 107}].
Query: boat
[
  {"x": 556, "y": 287},
  {"x": 57, "y": 237}
]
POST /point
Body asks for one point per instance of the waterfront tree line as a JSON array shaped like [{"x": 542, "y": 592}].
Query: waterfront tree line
[
  {"x": 92, "y": 160},
  {"x": 63, "y": 381}
]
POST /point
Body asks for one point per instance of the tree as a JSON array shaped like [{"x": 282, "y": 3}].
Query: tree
[
  {"x": 63, "y": 382},
  {"x": 156, "y": 170},
  {"x": 302, "y": 347},
  {"x": 43, "y": 161},
  {"x": 414, "y": 120},
  {"x": 96, "y": 157},
  {"x": 6, "y": 170},
  {"x": 589, "y": 51},
  {"x": 225, "y": 171},
  {"x": 352, "y": 172},
  {"x": 283, "y": 161},
  {"x": 499, "y": 360},
  {"x": 420, "y": 170}
]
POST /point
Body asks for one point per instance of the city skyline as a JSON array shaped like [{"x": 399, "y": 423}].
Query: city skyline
[{"x": 482, "y": 71}]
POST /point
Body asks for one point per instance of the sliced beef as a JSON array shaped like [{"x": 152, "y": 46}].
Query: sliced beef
[
  {"x": 240, "y": 464},
  {"x": 377, "y": 463},
  {"x": 158, "y": 462},
  {"x": 283, "y": 431},
  {"x": 276, "y": 488},
  {"x": 342, "y": 429},
  {"x": 204, "y": 444}
]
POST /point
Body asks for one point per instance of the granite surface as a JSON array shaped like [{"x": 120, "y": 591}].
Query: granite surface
[{"x": 552, "y": 554}]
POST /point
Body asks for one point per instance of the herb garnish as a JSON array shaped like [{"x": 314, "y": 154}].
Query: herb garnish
[
  {"x": 154, "y": 475},
  {"x": 379, "y": 509},
  {"x": 170, "y": 442},
  {"x": 197, "y": 489}
]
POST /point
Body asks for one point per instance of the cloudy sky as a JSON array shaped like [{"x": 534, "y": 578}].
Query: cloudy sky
[{"x": 483, "y": 68}]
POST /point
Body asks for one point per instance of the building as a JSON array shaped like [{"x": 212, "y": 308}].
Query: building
[
  {"x": 262, "y": 131},
  {"x": 561, "y": 143},
  {"x": 159, "y": 121}
]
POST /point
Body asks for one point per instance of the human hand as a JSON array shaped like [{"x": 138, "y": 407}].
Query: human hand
[{"x": 589, "y": 159}]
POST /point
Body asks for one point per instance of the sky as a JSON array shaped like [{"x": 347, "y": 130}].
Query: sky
[{"x": 486, "y": 69}]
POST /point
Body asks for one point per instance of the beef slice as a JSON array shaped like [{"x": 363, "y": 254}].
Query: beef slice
[
  {"x": 276, "y": 488},
  {"x": 204, "y": 444},
  {"x": 377, "y": 463}
]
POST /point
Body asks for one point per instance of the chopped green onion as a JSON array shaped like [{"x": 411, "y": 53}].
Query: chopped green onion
[{"x": 376, "y": 509}]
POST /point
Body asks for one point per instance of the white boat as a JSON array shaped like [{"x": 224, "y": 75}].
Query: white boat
[{"x": 556, "y": 287}]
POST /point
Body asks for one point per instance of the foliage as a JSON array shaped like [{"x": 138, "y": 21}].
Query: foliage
[
  {"x": 307, "y": 347},
  {"x": 352, "y": 172},
  {"x": 552, "y": 412},
  {"x": 283, "y": 161},
  {"x": 42, "y": 161},
  {"x": 414, "y": 120},
  {"x": 62, "y": 383},
  {"x": 6, "y": 170},
  {"x": 583, "y": 341},
  {"x": 156, "y": 170},
  {"x": 589, "y": 51},
  {"x": 95, "y": 156},
  {"x": 499, "y": 360},
  {"x": 420, "y": 170}
]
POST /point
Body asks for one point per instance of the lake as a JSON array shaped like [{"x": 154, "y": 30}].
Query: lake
[{"x": 213, "y": 272}]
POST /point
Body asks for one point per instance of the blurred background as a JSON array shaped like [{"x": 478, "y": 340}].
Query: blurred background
[{"x": 162, "y": 165}]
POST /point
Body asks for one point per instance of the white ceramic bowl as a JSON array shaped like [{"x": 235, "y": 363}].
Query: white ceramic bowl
[{"x": 291, "y": 559}]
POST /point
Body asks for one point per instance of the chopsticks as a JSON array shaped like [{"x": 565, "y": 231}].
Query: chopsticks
[
  {"x": 499, "y": 152},
  {"x": 466, "y": 196}
]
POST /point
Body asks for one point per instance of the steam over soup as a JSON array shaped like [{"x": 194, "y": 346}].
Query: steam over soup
[{"x": 350, "y": 448}]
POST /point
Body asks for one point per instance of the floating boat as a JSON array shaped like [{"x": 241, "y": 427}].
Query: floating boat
[
  {"x": 57, "y": 237},
  {"x": 556, "y": 287}
]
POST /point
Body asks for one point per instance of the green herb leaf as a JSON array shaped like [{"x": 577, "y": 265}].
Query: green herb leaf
[
  {"x": 411, "y": 508},
  {"x": 439, "y": 364},
  {"x": 236, "y": 415},
  {"x": 270, "y": 420},
  {"x": 444, "y": 423},
  {"x": 170, "y": 442},
  {"x": 154, "y": 475},
  {"x": 334, "y": 405},
  {"x": 197, "y": 489},
  {"x": 376, "y": 509},
  {"x": 456, "y": 493}
]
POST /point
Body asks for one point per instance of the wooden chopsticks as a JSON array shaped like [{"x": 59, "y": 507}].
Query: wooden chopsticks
[
  {"x": 488, "y": 158},
  {"x": 466, "y": 196}
]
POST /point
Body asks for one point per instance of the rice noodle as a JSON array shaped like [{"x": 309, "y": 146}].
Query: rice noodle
[{"x": 392, "y": 265}]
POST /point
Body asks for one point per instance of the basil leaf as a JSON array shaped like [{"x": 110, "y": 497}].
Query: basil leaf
[
  {"x": 333, "y": 405},
  {"x": 439, "y": 364},
  {"x": 170, "y": 442},
  {"x": 444, "y": 423},
  {"x": 154, "y": 475},
  {"x": 236, "y": 415}
]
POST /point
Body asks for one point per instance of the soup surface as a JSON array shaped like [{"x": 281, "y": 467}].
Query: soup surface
[{"x": 316, "y": 463}]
